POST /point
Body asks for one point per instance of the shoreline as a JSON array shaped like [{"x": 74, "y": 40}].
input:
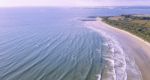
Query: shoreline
[
  {"x": 129, "y": 33},
  {"x": 136, "y": 48},
  {"x": 111, "y": 65}
]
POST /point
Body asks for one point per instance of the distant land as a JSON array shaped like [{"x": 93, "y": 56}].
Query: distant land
[
  {"x": 111, "y": 7},
  {"x": 138, "y": 24}
]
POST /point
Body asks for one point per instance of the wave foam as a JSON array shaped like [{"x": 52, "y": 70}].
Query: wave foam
[{"x": 117, "y": 64}]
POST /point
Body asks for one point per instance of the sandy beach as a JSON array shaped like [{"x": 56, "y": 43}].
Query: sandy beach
[{"x": 136, "y": 48}]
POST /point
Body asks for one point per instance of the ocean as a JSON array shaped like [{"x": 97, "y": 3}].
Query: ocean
[{"x": 54, "y": 44}]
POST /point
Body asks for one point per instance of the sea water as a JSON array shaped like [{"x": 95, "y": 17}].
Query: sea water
[{"x": 54, "y": 44}]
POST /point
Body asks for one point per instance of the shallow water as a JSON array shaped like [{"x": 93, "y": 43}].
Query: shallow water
[{"x": 51, "y": 43}]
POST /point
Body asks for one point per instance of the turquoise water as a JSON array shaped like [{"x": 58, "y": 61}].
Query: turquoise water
[{"x": 52, "y": 43}]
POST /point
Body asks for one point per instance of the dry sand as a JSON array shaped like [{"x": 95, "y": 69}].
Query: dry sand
[{"x": 133, "y": 46}]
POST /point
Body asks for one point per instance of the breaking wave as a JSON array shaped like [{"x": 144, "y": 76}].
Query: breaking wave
[{"x": 116, "y": 64}]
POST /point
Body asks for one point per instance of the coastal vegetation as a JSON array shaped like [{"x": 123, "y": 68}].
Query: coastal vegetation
[{"x": 136, "y": 24}]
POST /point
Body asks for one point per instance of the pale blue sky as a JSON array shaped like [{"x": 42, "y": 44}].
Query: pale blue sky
[{"x": 15, "y": 3}]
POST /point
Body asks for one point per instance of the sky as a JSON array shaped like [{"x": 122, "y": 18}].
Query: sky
[{"x": 73, "y": 3}]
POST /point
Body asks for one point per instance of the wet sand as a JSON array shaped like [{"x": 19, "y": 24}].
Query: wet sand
[{"x": 136, "y": 48}]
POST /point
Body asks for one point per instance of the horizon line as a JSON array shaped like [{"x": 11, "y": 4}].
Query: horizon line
[{"x": 74, "y": 6}]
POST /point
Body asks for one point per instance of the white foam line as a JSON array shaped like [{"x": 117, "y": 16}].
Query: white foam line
[
  {"x": 99, "y": 76},
  {"x": 116, "y": 60},
  {"x": 116, "y": 66},
  {"x": 132, "y": 66}
]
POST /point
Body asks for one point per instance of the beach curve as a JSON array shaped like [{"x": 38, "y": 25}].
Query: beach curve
[{"x": 136, "y": 48}]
